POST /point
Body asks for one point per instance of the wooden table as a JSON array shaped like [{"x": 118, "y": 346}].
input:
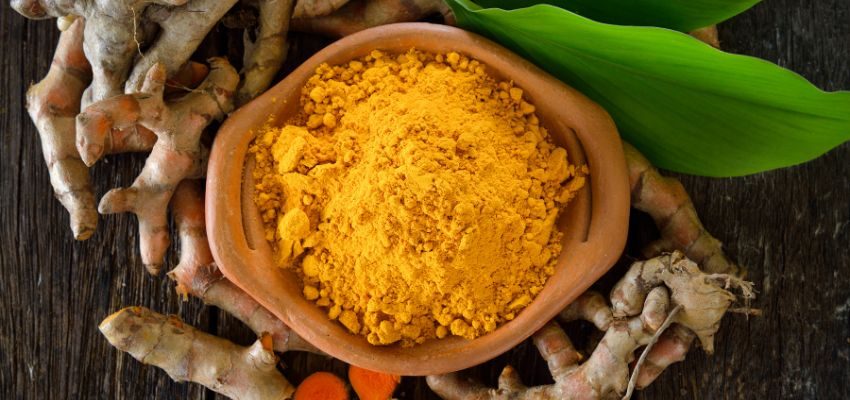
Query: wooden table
[{"x": 791, "y": 228}]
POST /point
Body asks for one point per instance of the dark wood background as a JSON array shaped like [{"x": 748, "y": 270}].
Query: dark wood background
[{"x": 790, "y": 228}]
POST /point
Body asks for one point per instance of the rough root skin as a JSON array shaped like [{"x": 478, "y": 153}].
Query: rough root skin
[
  {"x": 181, "y": 31},
  {"x": 112, "y": 32},
  {"x": 177, "y": 154},
  {"x": 591, "y": 307},
  {"x": 198, "y": 275},
  {"x": 669, "y": 205},
  {"x": 703, "y": 298},
  {"x": 52, "y": 105},
  {"x": 102, "y": 59},
  {"x": 116, "y": 30},
  {"x": 32, "y": 9},
  {"x": 188, "y": 354},
  {"x": 643, "y": 300},
  {"x": 358, "y": 15},
  {"x": 264, "y": 57},
  {"x": 316, "y": 8},
  {"x": 93, "y": 144}
]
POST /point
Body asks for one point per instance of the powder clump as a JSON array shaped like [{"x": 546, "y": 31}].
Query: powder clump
[{"x": 415, "y": 196}]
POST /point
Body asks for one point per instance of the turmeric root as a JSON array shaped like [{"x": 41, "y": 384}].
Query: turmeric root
[
  {"x": 603, "y": 375},
  {"x": 112, "y": 36},
  {"x": 669, "y": 205},
  {"x": 181, "y": 30},
  {"x": 653, "y": 294},
  {"x": 187, "y": 78},
  {"x": 177, "y": 154},
  {"x": 198, "y": 275},
  {"x": 52, "y": 104},
  {"x": 589, "y": 306},
  {"x": 264, "y": 57},
  {"x": 171, "y": 31},
  {"x": 115, "y": 31},
  {"x": 703, "y": 297},
  {"x": 188, "y": 354},
  {"x": 316, "y": 8},
  {"x": 94, "y": 144},
  {"x": 358, "y": 15}
]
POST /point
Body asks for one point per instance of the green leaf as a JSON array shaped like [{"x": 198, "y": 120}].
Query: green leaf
[
  {"x": 681, "y": 15},
  {"x": 687, "y": 106}
]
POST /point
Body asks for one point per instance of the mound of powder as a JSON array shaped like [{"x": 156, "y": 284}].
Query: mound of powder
[{"x": 415, "y": 196}]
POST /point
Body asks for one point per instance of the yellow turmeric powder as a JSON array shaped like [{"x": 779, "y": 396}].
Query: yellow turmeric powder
[{"x": 415, "y": 196}]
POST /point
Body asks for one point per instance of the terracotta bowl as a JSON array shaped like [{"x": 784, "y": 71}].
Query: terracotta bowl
[{"x": 594, "y": 224}]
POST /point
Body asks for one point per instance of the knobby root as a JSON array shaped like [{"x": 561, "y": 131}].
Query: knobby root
[
  {"x": 316, "y": 8},
  {"x": 188, "y": 354},
  {"x": 358, "y": 15},
  {"x": 669, "y": 205},
  {"x": 197, "y": 274},
  {"x": 181, "y": 30},
  {"x": 52, "y": 104},
  {"x": 177, "y": 153},
  {"x": 264, "y": 57}
]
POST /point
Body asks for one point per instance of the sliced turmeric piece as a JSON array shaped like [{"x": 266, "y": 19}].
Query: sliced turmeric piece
[{"x": 372, "y": 385}]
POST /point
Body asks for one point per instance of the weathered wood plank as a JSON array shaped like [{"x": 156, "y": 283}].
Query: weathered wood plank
[{"x": 789, "y": 227}]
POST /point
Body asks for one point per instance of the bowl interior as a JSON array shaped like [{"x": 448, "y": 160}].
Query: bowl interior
[{"x": 594, "y": 223}]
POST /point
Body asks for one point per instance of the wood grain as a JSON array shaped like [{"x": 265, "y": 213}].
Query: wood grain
[{"x": 790, "y": 228}]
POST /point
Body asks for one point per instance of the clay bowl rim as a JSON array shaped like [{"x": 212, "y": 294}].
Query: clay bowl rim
[{"x": 594, "y": 239}]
